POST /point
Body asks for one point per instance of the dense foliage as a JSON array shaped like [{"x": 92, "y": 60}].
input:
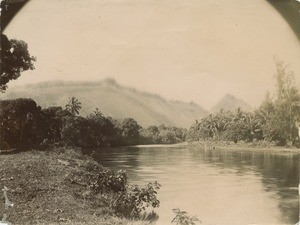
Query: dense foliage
[
  {"x": 19, "y": 123},
  {"x": 135, "y": 199},
  {"x": 24, "y": 125},
  {"x": 123, "y": 198},
  {"x": 163, "y": 134},
  {"x": 15, "y": 59},
  {"x": 276, "y": 119}
]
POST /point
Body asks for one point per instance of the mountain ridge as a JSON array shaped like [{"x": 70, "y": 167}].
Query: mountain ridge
[
  {"x": 113, "y": 100},
  {"x": 120, "y": 101}
]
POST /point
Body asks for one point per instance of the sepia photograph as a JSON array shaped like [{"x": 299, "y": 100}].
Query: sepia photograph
[{"x": 150, "y": 112}]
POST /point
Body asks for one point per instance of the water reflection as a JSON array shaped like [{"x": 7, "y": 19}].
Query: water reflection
[
  {"x": 220, "y": 186},
  {"x": 279, "y": 173}
]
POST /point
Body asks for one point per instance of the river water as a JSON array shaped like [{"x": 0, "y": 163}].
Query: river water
[{"x": 224, "y": 187}]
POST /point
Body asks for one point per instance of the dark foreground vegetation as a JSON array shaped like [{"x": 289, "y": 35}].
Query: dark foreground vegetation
[
  {"x": 60, "y": 185},
  {"x": 64, "y": 186},
  {"x": 25, "y": 125}
]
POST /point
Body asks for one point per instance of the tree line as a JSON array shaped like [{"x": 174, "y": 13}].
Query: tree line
[
  {"x": 276, "y": 120},
  {"x": 24, "y": 124}
]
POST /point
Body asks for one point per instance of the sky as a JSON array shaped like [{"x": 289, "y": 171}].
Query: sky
[{"x": 189, "y": 50}]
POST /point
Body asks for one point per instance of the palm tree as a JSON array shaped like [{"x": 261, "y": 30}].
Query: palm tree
[
  {"x": 253, "y": 125},
  {"x": 73, "y": 106}
]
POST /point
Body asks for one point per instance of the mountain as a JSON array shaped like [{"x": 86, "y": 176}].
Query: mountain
[
  {"x": 230, "y": 102},
  {"x": 112, "y": 100}
]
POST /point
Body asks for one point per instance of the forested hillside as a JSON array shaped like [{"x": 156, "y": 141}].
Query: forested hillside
[{"x": 112, "y": 100}]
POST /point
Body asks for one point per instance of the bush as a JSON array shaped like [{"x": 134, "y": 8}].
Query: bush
[
  {"x": 183, "y": 218},
  {"x": 124, "y": 199},
  {"x": 107, "y": 181},
  {"x": 135, "y": 199}
]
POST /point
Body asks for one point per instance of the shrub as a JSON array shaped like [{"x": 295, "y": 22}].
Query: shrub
[
  {"x": 183, "y": 218},
  {"x": 124, "y": 199},
  {"x": 135, "y": 199},
  {"x": 107, "y": 181}
]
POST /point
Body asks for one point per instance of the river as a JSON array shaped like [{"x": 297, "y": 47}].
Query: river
[{"x": 224, "y": 187}]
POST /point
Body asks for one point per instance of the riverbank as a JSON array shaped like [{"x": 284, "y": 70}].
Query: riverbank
[
  {"x": 42, "y": 188},
  {"x": 241, "y": 146}
]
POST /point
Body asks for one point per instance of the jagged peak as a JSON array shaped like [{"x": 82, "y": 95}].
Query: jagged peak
[{"x": 231, "y": 102}]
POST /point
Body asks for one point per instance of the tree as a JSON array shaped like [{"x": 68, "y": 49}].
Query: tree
[
  {"x": 15, "y": 59},
  {"x": 285, "y": 82},
  {"x": 129, "y": 131},
  {"x": 254, "y": 126},
  {"x": 281, "y": 113},
  {"x": 73, "y": 106},
  {"x": 93, "y": 131},
  {"x": 76, "y": 132},
  {"x": 18, "y": 123},
  {"x": 244, "y": 126},
  {"x": 101, "y": 129},
  {"x": 51, "y": 123},
  {"x": 201, "y": 130}
]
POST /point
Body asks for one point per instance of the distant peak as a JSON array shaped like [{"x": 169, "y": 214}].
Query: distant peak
[{"x": 230, "y": 102}]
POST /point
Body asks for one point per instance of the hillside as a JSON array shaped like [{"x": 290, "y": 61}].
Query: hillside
[
  {"x": 230, "y": 102},
  {"x": 112, "y": 100}
]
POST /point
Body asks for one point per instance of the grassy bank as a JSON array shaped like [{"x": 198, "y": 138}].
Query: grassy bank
[{"x": 49, "y": 188}]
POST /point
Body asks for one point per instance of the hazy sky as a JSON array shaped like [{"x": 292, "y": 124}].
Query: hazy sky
[{"x": 181, "y": 49}]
